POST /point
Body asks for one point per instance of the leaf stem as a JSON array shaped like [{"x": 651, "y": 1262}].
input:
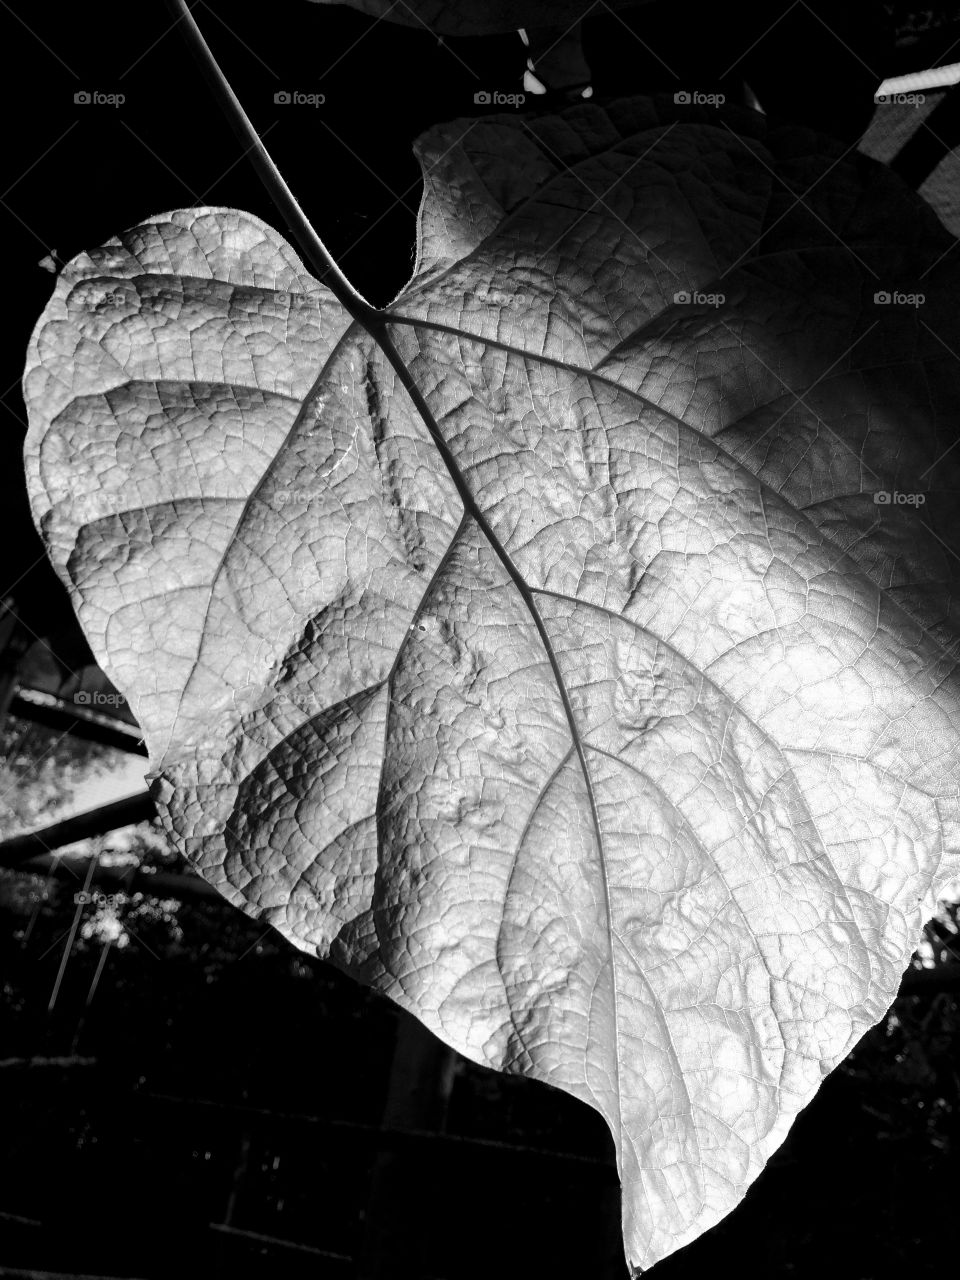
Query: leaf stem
[{"x": 314, "y": 251}]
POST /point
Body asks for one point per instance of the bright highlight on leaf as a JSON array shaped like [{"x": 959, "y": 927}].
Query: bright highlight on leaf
[{"x": 543, "y": 655}]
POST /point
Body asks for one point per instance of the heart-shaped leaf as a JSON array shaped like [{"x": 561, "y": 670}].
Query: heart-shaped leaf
[{"x": 569, "y": 652}]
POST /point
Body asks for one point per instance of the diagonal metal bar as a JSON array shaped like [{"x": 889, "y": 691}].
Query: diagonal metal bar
[
  {"x": 54, "y": 714},
  {"x": 92, "y": 822}
]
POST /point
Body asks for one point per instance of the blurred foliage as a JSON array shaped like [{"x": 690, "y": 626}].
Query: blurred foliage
[
  {"x": 40, "y": 771},
  {"x": 909, "y": 20}
]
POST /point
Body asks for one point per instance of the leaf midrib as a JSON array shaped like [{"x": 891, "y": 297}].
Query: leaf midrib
[{"x": 385, "y": 342}]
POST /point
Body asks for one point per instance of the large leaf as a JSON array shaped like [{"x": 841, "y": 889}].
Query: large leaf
[{"x": 542, "y": 657}]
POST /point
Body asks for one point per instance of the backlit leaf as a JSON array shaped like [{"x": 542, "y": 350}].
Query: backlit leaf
[{"x": 572, "y": 656}]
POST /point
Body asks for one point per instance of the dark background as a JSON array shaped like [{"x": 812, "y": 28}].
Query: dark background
[{"x": 218, "y": 1076}]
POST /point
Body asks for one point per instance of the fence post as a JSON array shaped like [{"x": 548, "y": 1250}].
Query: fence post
[
  {"x": 13, "y": 645},
  {"x": 421, "y": 1080}
]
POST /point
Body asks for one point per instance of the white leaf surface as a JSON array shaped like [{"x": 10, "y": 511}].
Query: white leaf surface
[{"x": 594, "y": 710}]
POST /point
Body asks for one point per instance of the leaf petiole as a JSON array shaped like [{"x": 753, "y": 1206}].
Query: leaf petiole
[{"x": 314, "y": 251}]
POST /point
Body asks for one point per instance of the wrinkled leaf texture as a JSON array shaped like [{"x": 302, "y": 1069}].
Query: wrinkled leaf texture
[{"x": 598, "y": 714}]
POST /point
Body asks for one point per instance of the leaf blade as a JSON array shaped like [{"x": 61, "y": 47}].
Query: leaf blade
[{"x": 623, "y": 727}]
